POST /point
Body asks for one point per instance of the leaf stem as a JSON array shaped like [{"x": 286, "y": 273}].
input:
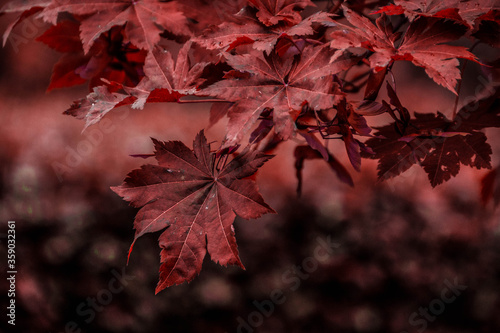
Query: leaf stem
[
  {"x": 335, "y": 7},
  {"x": 202, "y": 101},
  {"x": 459, "y": 87}
]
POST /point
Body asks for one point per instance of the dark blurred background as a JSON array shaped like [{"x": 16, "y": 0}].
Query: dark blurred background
[{"x": 403, "y": 257}]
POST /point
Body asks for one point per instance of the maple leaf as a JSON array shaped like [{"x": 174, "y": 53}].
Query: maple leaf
[
  {"x": 228, "y": 35},
  {"x": 272, "y": 12},
  {"x": 423, "y": 44},
  {"x": 108, "y": 58},
  {"x": 102, "y": 100},
  {"x": 195, "y": 202},
  {"x": 143, "y": 20},
  {"x": 63, "y": 37},
  {"x": 489, "y": 29},
  {"x": 279, "y": 84},
  {"x": 363, "y": 5},
  {"x": 444, "y": 162},
  {"x": 205, "y": 13},
  {"x": 162, "y": 72},
  {"x": 440, "y": 155},
  {"x": 460, "y": 11},
  {"x": 25, "y": 10},
  {"x": 96, "y": 105},
  {"x": 437, "y": 144},
  {"x": 164, "y": 82},
  {"x": 378, "y": 38}
]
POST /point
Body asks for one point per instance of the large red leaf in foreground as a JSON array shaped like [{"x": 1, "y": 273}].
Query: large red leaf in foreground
[{"x": 196, "y": 202}]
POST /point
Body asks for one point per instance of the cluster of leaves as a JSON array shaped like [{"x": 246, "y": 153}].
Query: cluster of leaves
[{"x": 277, "y": 69}]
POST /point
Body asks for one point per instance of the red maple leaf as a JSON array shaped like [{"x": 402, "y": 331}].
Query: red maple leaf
[
  {"x": 97, "y": 104},
  {"x": 272, "y": 12},
  {"x": 205, "y": 13},
  {"x": 437, "y": 144},
  {"x": 164, "y": 82},
  {"x": 102, "y": 100},
  {"x": 489, "y": 29},
  {"x": 143, "y": 20},
  {"x": 464, "y": 12},
  {"x": 196, "y": 201},
  {"x": 25, "y": 10},
  {"x": 162, "y": 72},
  {"x": 282, "y": 84},
  {"x": 228, "y": 35},
  {"x": 424, "y": 44},
  {"x": 108, "y": 58}
]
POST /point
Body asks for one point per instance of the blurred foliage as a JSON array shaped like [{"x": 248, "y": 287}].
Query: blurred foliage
[{"x": 390, "y": 262}]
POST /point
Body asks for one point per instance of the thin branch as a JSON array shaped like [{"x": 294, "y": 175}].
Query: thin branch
[
  {"x": 202, "y": 101},
  {"x": 459, "y": 87},
  {"x": 335, "y": 7}
]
